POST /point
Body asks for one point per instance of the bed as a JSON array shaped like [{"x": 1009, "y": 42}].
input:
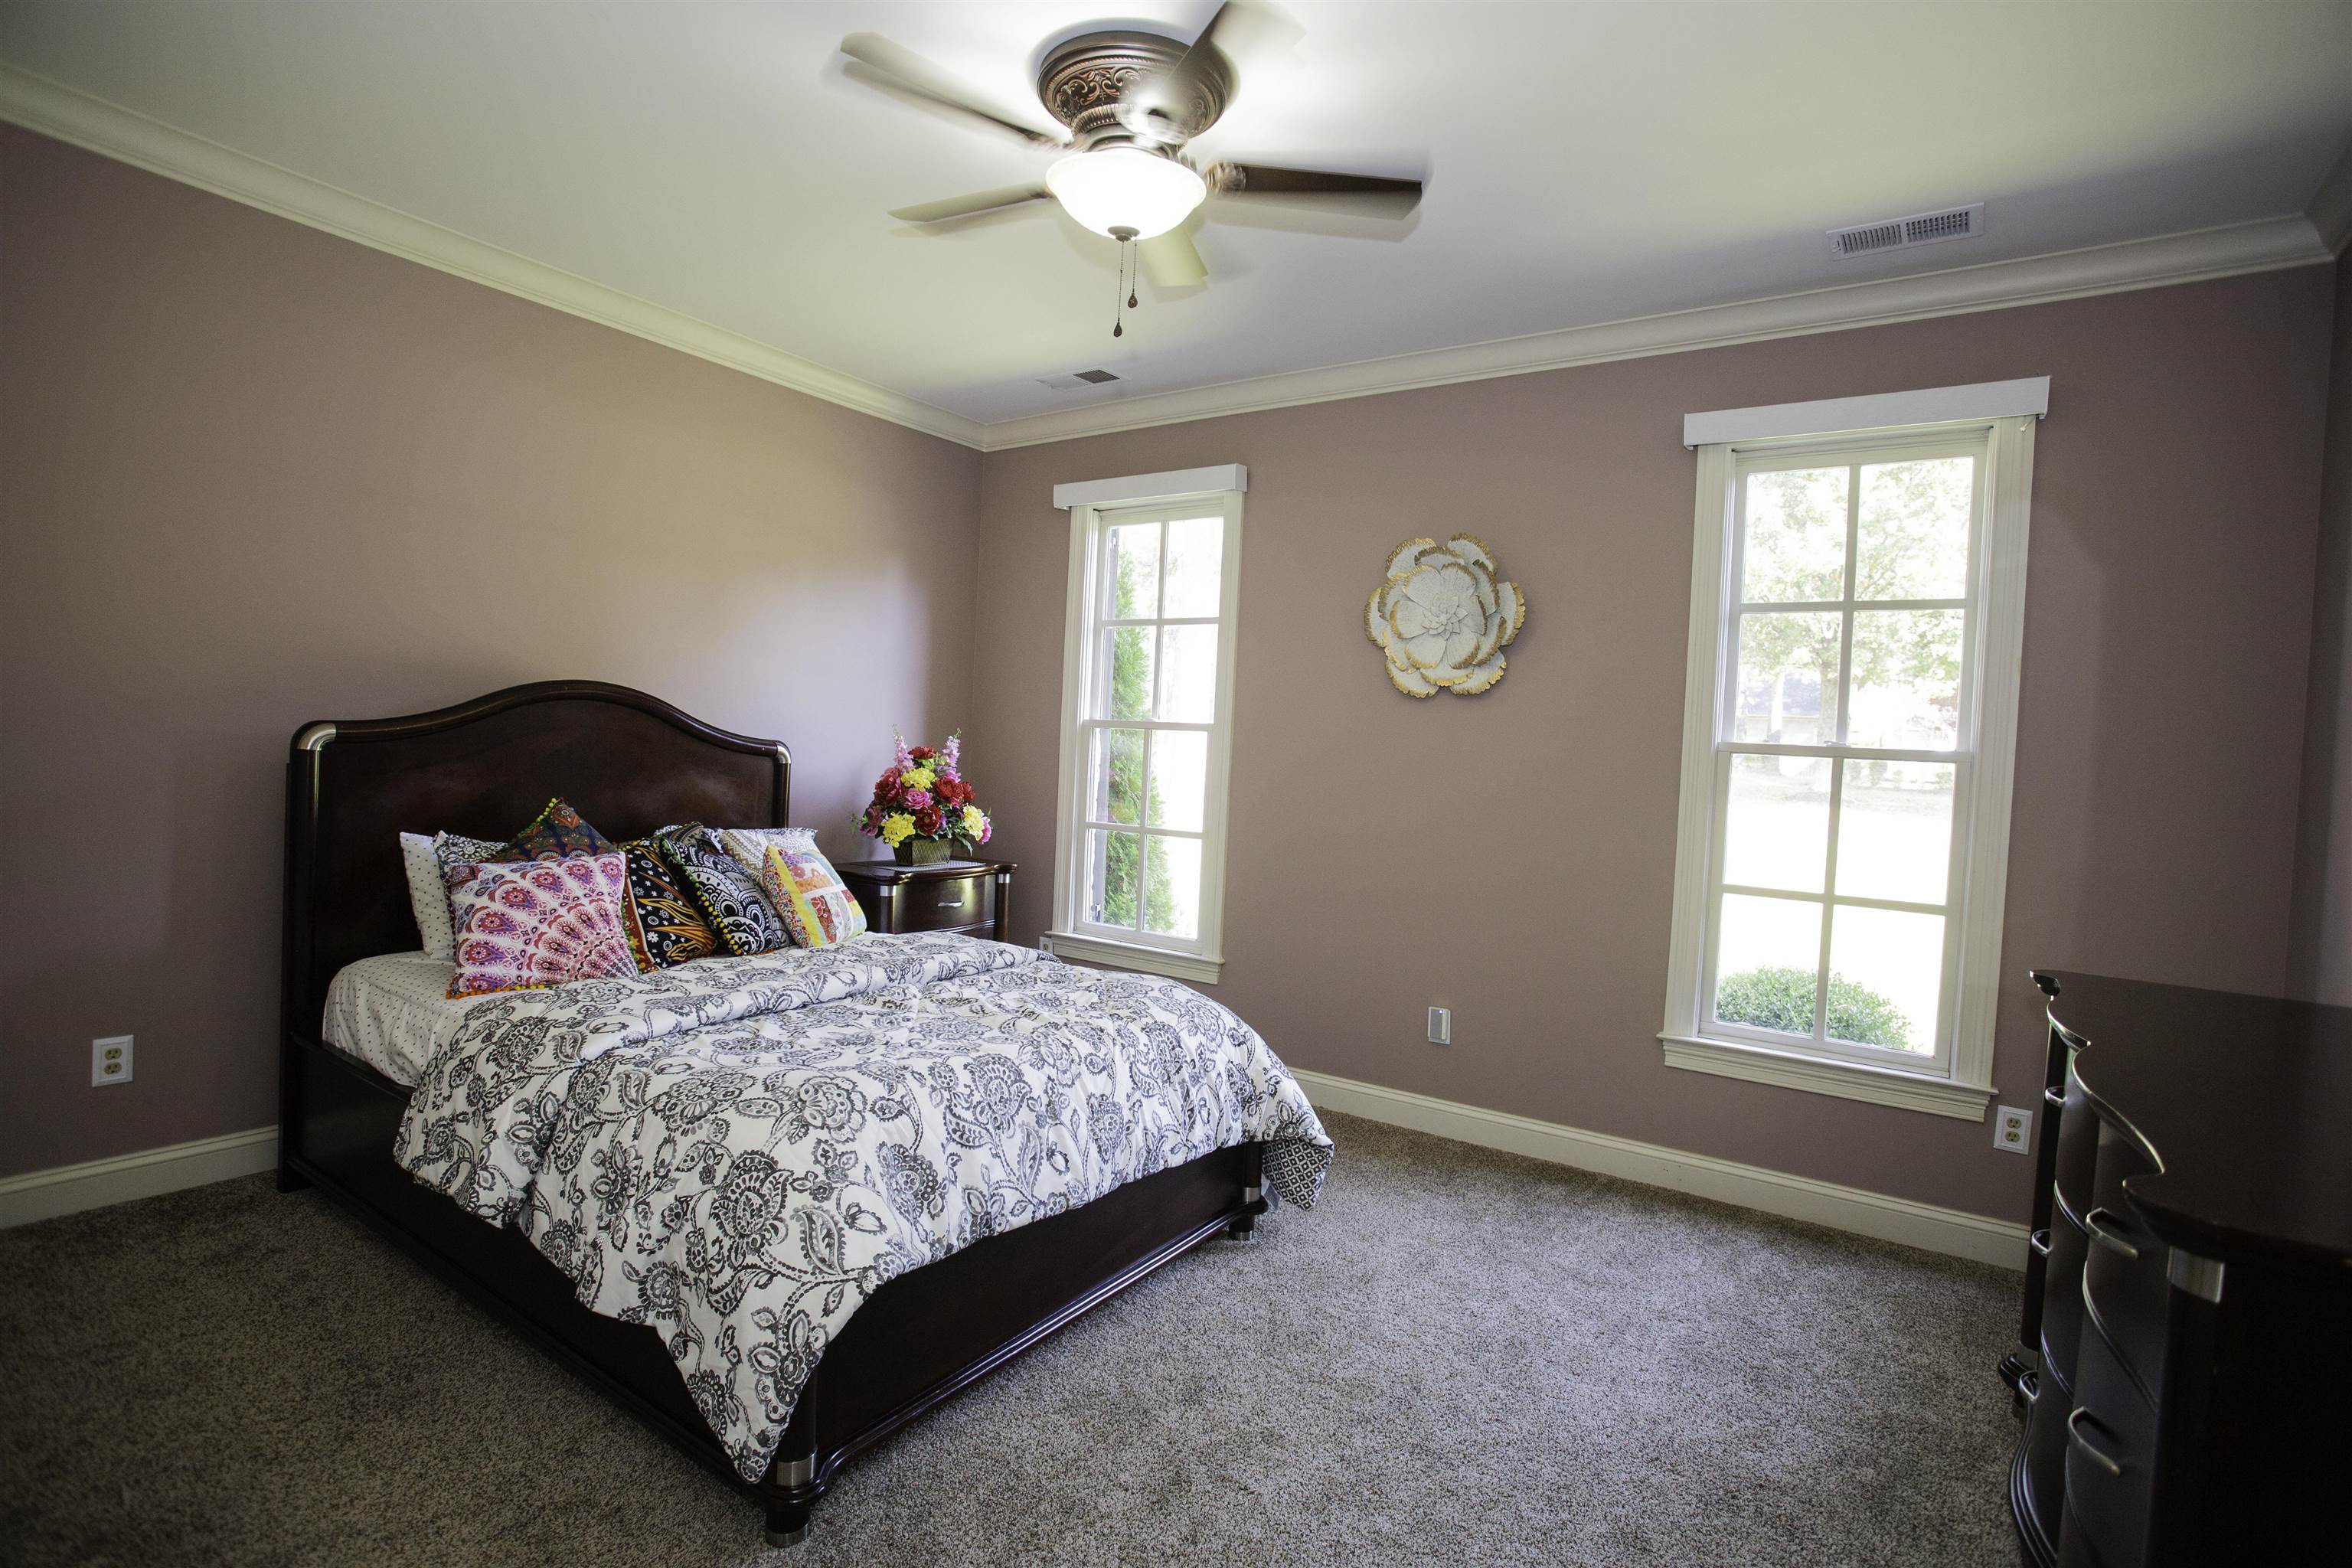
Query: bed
[{"x": 929, "y": 1310}]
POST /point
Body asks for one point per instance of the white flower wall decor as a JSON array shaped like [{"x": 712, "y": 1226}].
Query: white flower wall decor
[{"x": 1442, "y": 618}]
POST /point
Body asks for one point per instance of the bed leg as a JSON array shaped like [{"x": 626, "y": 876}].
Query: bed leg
[
  {"x": 787, "y": 1523},
  {"x": 790, "y": 1500},
  {"x": 1243, "y": 1224}
]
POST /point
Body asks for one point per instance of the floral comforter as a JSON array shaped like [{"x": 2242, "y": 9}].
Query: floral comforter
[{"x": 739, "y": 1151}]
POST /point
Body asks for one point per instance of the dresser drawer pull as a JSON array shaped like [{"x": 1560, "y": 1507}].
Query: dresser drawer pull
[
  {"x": 2040, "y": 1242},
  {"x": 2096, "y": 1221},
  {"x": 2075, "y": 1420},
  {"x": 950, "y": 903}
]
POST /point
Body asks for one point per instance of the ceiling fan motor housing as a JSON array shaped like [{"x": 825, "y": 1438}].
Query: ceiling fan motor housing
[{"x": 1091, "y": 85}]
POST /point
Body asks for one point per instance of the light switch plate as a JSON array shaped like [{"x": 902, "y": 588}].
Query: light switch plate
[
  {"x": 109, "y": 1061},
  {"x": 2012, "y": 1129},
  {"x": 1441, "y": 1026}
]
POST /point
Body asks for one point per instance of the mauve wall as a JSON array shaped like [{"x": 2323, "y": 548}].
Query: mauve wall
[
  {"x": 258, "y": 475},
  {"x": 1510, "y": 856},
  {"x": 2323, "y": 894}
]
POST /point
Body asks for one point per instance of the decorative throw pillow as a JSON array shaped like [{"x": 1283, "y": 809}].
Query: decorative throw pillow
[
  {"x": 428, "y": 894},
  {"x": 727, "y": 896},
  {"x": 428, "y": 862},
  {"x": 748, "y": 846},
  {"x": 456, "y": 849},
  {"x": 522, "y": 924},
  {"x": 667, "y": 925},
  {"x": 817, "y": 908},
  {"x": 557, "y": 833}
]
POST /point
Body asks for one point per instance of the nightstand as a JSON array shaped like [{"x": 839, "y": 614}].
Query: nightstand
[{"x": 973, "y": 897}]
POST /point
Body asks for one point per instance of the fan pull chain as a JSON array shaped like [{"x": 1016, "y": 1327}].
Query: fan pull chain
[{"x": 1126, "y": 237}]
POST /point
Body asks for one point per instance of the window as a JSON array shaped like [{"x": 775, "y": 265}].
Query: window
[
  {"x": 1146, "y": 701},
  {"x": 1856, "y": 617}
]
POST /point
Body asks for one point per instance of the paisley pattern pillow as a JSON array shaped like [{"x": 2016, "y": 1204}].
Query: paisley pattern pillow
[
  {"x": 456, "y": 849},
  {"x": 557, "y": 833},
  {"x": 427, "y": 861},
  {"x": 726, "y": 894},
  {"x": 524, "y": 924},
  {"x": 665, "y": 923},
  {"x": 748, "y": 846},
  {"x": 817, "y": 908}
]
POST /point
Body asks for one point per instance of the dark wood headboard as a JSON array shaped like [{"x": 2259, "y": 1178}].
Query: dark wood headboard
[{"x": 630, "y": 763}]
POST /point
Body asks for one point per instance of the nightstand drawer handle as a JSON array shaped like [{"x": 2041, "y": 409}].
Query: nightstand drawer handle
[
  {"x": 2096, "y": 1221},
  {"x": 2074, "y": 1419},
  {"x": 950, "y": 903}
]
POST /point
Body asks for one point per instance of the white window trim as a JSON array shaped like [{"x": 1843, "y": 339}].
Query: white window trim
[
  {"x": 1139, "y": 490},
  {"x": 1876, "y": 412},
  {"x": 1200, "y": 959},
  {"x": 1965, "y": 1089}
]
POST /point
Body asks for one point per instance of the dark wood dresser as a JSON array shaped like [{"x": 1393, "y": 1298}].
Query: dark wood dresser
[
  {"x": 974, "y": 897},
  {"x": 2185, "y": 1357}
]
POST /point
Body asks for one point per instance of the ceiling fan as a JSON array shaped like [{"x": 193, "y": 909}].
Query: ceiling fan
[{"x": 1131, "y": 100}]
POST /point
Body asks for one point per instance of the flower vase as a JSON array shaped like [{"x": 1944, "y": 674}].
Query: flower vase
[{"x": 924, "y": 851}]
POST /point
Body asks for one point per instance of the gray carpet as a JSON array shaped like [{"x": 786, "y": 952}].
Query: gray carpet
[{"x": 1461, "y": 1357}]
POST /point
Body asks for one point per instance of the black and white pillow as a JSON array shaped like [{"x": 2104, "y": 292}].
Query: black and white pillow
[
  {"x": 664, "y": 916},
  {"x": 729, "y": 896}
]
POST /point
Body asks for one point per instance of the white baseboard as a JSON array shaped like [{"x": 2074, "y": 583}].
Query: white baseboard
[
  {"x": 69, "y": 1189},
  {"x": 1951, "y": 1231}
]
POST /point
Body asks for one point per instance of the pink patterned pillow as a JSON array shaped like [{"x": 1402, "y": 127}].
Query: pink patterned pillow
[{"x": 524, "y": 924}]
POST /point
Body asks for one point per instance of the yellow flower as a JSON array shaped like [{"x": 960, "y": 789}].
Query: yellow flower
[
  {"x": 920, "y": 778},
  {"x": 973, "y": 822},
  {"x": 897, "y": 829}
]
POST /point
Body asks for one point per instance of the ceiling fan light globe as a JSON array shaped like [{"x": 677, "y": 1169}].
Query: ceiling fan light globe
[{"x": 1122, "y": 188}]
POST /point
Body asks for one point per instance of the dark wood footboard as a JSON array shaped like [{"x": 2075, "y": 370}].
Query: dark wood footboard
[{"x": 922, "y": 1337}]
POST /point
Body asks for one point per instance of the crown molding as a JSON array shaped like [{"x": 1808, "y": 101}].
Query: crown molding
[
  {"x": 2262, "y": 246},
  {"x": 93, "y": 123},
  {"x": 2331, "y": 207},
  {"x": 114, "y": 131}
]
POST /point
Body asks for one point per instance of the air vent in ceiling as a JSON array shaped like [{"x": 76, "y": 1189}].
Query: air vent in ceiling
[
  {"x": 1076, "y": 379},
  {"x": 1920, "y": 229}
]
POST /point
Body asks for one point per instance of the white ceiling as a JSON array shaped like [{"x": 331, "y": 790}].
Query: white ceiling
[{"x": 1586, "y": 162}]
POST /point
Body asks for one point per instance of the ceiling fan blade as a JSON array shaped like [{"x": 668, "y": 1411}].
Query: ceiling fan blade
[
  {"x": 1161, "y": 106},
  {"x": 1173, "y": 260},
  {"x": 1239, "y": 29},
  {"x": 879, "y": 63},
  {"x": 1369, "y": 192},
  {"x": 965, "y": 206}
]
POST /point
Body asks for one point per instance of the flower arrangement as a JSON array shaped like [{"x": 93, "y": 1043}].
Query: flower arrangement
[{"x": 922, "y": 799}]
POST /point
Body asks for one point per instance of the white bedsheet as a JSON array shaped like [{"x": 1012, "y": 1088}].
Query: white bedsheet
[{"x": 393, "y": 1013}]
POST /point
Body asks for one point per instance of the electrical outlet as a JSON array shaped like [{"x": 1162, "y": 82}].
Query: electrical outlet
[
  {"x": 109, "y": 1061},
  {"x": 1441, "y": 1026},
  {"x": 2012, "y": 1129}
]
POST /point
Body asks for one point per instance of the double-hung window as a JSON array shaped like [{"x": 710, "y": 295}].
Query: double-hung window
[
  {"x": 1856, "y": 616},
  {"x": 1147, "y": 720}
]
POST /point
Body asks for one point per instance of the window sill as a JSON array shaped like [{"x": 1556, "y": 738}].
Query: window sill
[
  {"x": 1848, "y": 1081},
  {"x": 1188, "y": 966}
]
